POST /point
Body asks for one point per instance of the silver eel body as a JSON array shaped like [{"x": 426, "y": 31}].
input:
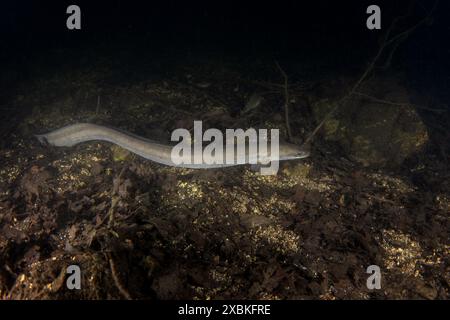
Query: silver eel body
[{"x": 158, "y": 152}]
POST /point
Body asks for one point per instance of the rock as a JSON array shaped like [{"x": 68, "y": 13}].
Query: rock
[
  {"x": 426, "y": 291},
  {"x": 252, "y": 221},
  {"x": 96, "y": 168},
  {"x": 253, "y": 103},
  {"x": 297, "y": 171},
  {"x": 119, "y": 154},
  {"x": 372, "y": 132}
]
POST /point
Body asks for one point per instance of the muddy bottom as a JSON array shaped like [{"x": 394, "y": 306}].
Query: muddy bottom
[{"x": 140, "y": 230}]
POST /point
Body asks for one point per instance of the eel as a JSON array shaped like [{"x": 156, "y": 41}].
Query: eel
[{"x": 152, "y": 150}]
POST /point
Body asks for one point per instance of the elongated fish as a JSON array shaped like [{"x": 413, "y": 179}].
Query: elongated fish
[{"x": 161, "y": 153}]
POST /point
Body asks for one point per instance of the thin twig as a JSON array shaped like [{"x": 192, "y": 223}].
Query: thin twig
[
  {"x": 268, "y": 85},
  {"x": 115, "y": 197},
  {"x": 286, "y": 100},
  {"x": 97, "y": 109},
  {"x": 116, "y": 279},
  {"x": 370, "y": 67},
  {"x": 114, "y": 201},
  {"x": 400, "y": 104},
  {"x": 275, "y": 87}
]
